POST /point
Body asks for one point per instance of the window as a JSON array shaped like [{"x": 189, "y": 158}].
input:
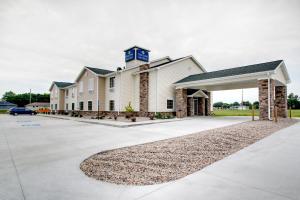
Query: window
[
  {"x": 51, "y": 106},
  {"x": 90, "y": 105},
  {"x": 81, "y": 105},
  {"x": 67, "y": 93},
  {"x": 80, "y": 87},
  {"x": 169, "y": 104},
  {"x": 67, "y": 106},
  {"x": 73, "y": 106},
  {"x": 111, "y": 105},
  {"x": 56, "y": 92},
  {"x": 112, "y": 82},
  {"x": 73, "y": 92},
  {"x": 55, "y": 106},
  {"x": 91, "y": 84}
]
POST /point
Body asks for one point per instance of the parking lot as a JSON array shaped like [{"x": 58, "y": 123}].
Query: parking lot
[{"x": 40, "y": 159}]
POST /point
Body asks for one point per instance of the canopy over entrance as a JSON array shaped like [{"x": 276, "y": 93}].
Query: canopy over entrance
[{"x": 271, "y": 78}]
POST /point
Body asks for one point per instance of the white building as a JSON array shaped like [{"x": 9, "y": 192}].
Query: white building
[{"x": 172, "y": 86}]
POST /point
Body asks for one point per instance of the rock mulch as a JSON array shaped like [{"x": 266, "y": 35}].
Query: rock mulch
[{"x": 171, "y": 159}]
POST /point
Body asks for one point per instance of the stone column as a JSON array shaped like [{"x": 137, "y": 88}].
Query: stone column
[
  {"x": 281, "y": 100},
  {"x": 201, "y": 106},
  {"x": 264, "y": 98},
  {"x": 207, "y": 103},
  {"x": 144, "y": 90},
  {"x": 190, "y": 106},
  {"x": 181, "y": 103}
]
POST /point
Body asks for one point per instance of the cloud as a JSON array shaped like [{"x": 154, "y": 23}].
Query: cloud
[{"x": 42, "y": 41}]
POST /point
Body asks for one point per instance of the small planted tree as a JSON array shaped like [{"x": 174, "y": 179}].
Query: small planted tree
[{"x": 129, "y": 110}]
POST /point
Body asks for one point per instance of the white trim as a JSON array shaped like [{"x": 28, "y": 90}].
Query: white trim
[
  {"x": 171, "y": 63},
  {"x": 159, "y": 59},
  {"x": 258, "y": 75},
  {"x": 200, "y": 92},
  {"x": 285, "y": 72}
]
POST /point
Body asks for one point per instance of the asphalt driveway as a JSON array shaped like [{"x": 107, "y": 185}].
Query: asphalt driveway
[{"x": 40, "y": 159}]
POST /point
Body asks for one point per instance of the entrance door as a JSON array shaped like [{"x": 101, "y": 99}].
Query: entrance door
[{"x": 196, "y": 109}]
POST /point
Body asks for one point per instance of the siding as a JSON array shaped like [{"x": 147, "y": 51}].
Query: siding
[
  {"x": 169, "y": 75},
  {"x": 87, "y": 95}
]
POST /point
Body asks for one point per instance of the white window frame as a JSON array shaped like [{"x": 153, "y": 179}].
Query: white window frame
[
  {"x": 112, "y": 82},
  {"x": 170, "y": 99},
  {"x": 113, "y": 105},
  {"x": 81, "y": 87},
  {"x": 88, "y": 105},
  {"x": 91, "y": 84}
]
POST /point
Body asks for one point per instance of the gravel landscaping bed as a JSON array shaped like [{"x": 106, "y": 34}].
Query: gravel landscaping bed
[{"x": 171, "y": 159}]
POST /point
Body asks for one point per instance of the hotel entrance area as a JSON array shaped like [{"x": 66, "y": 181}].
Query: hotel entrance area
[{"x": 197, "y": 103}]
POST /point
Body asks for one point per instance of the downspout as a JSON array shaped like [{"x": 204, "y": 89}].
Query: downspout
[{"x": 269, "y": 96}]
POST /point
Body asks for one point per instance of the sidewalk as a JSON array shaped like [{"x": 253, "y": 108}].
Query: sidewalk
[{"x": 112, "y": 123}]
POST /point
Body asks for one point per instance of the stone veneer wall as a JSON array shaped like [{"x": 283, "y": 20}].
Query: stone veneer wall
[
  {"x": 207, "y": 103},
  {"x": 201, "y": 106},
  {"x": 281, "y": 100},
  {"x": 190, "y": 106},
  {"x": 181, "y": 103},
  {"x": 263, "y": 98},
  {"x": 144, "y": 90}
]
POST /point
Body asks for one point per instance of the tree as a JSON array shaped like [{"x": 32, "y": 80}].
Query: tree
[
  {"x": 23, "y": 99},
  {"x": 218, "y": 104},
  {"x": 293, "y": 101},
  {"x": 235, "y": 104},
  {"x": 8, "y": 95},
  {"x": 226, "y": 106},
  {"x": 256, "y": 104}
]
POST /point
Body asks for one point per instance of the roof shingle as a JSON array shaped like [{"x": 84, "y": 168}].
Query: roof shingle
[
  {"x": 62, "y": 84},
  {"x": 99, "y": 71},
  {"x": 261, "y": 67}
]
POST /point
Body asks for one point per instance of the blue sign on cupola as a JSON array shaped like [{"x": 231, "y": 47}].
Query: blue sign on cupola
[
  {"x": 130, "y": 54},
  {"x": 142, "y": 54},
  {"x": 136, "y": 53}
]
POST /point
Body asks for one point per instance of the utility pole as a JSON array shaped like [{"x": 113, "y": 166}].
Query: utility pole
[{"x": 242, "y": 99}]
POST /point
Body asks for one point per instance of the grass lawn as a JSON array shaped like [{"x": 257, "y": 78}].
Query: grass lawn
[
  {"x": 227, "y": 112},
  {"x": 217, "y": 112},
  {"x": 295, "y": 113},
  {"x": 3, "y": 111}
]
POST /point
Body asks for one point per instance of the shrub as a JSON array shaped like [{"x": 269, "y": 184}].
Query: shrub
[{"x": 129, "y": 110}]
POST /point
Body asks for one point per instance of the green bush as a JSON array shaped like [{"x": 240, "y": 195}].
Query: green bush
[{"x": 129, "y": 108}]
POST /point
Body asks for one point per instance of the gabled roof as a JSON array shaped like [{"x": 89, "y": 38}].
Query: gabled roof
[
  {"x": 96, "y": 71},
  {"x": 261, "y": 67},
  {"x": 60, "y": 84},
  {"x": 168, "y": 62},
  {"x": 99, "y": 71}
]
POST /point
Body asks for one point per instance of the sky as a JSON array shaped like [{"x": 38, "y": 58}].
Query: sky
[{"x": 47, "y": 40}]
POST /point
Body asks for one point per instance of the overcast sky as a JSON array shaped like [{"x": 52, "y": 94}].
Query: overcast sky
[{"x": 46, "y": 40}]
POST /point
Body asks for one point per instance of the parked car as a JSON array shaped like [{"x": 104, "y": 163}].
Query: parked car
[{"x": 18, "y": 110}]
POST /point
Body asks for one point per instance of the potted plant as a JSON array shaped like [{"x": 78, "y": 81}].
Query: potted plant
[
  {"x": 151, "y": 116},
  {"x": 128, "y": 111},
  {"x": 133, "y": 119}
]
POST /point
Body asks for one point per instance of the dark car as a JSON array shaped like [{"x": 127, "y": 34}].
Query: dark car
[{"x": 18, "y": 110}]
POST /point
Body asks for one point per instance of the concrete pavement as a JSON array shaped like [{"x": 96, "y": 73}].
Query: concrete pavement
[{"x": 40, "y": 159}]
